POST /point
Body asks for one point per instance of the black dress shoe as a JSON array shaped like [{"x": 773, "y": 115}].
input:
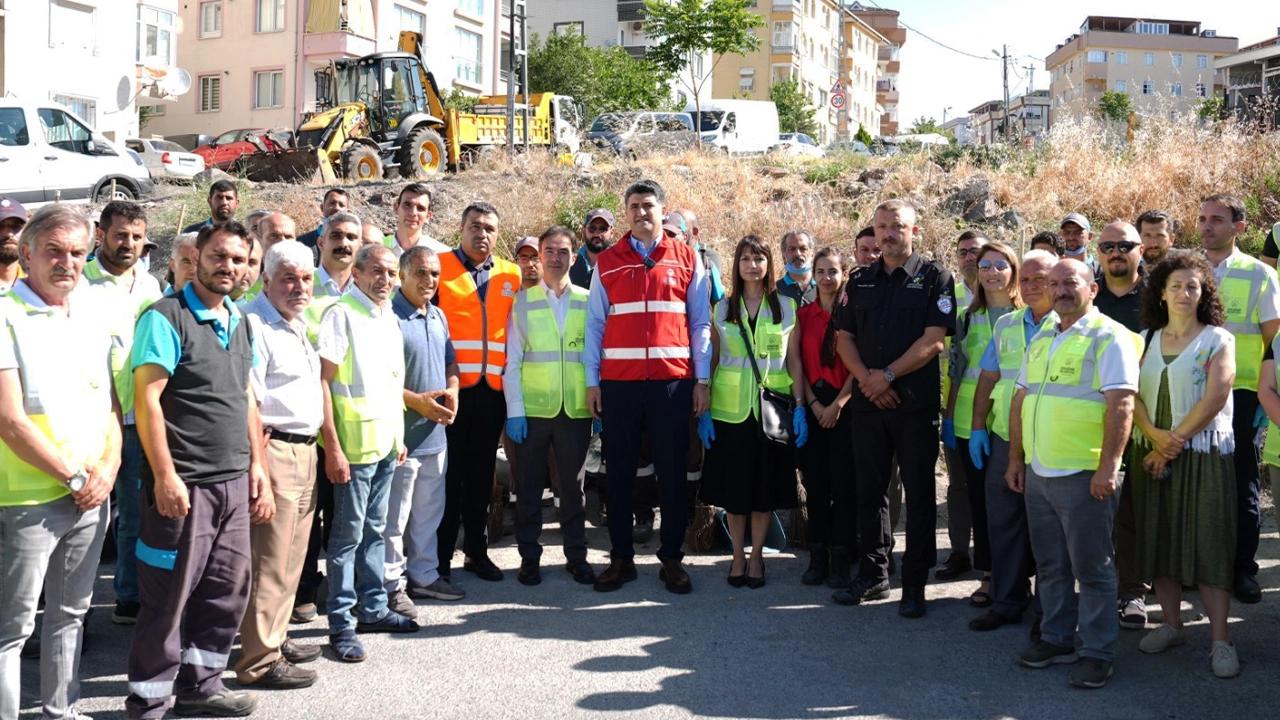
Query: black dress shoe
[
  {"x": 581, "y": 572},
  {"x": 819, "y": 566},
  {"x": 912, "y": 604},
  {"x": 284, "y": 675},
  {"x": 755, "y": 583},
  {"x": 616, "y": 575},
  {"x": 861, "y": 590},
  {"x": 483, "y": 568},
  {"x": 839, "y": 572},
  {"x": 224, "y": 704},
  {"x": 297, "y": 653},
  {"x": 956, "y": 564},
  {"x": 675, "y": 578},
  {"x": 530, "y": 573},
  {"x": 1247, "y": 590},
  {"x": 991, "y": 620}
]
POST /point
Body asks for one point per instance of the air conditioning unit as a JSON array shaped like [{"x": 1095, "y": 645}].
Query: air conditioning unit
[
  {"x": 1209, "y": 33},
  {"x": 637, "y": 26}
]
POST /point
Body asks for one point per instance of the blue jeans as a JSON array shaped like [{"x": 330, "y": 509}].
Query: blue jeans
[
  {"x": 356, "y": 557},
  {"x": 1071, "y": 539},
  {"x": 128, "y": 489}
]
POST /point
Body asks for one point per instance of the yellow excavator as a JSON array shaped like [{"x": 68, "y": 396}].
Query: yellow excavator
[{"x": 382, "y": 115}]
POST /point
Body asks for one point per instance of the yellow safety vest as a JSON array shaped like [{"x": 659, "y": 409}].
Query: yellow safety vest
[
  {"x": 1011, "y": 348},
  {"x": 552, "y": 376},
  {"x": 1271, "y": 448},
  {"x": 123, "y": 322},
  {"x": 734, "y": 392},
  {"x": 1064, "y": 411},
  {"x": 975, "y": 343},
  {"x": 321, "y": 301},
  {"x": 963, "y": 298},
  {"x": 1241, "y": 292},
  {"x": 367, "y": 391}
]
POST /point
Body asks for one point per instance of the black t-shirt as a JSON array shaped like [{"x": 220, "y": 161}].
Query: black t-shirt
[
  {"x": 1124, "y": 309},
  {"x": 887, "y": 312},
  {"x": 1269, "y": 248}
]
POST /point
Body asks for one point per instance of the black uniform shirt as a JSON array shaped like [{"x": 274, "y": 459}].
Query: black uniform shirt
[
  {"x": 887, "y": 312},
  {"x": 1124, "y": 309}
]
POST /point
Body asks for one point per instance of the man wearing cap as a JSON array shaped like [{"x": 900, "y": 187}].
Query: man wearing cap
[
  {"x": 597, "y": 236},
  {"x": 529, "y": 261},
  {"x": 710, "y": 258},
  {"x": 114, "y": 272},
  {"x": 12, "y": 217},
  {"x": 413, "y": 210},
  {"x": 797, "y": 282},
  {"x": 1077, "y": 233}
]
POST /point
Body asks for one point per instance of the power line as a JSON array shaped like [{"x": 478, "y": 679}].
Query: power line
[{"x": 933, "y": 40}]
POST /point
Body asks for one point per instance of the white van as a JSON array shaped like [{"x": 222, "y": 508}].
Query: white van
[
  {"x": 737, "y": 127},
  {"x": 49, "y": 154}
]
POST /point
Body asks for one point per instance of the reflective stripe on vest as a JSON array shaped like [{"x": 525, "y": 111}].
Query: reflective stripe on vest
[
  {"x": 367, "y": 390},
  {"x": 975, "y": 343},
  {"x": 734, "y": 392},
  {"x": 552, "y": 376},
  {"x": 1011, "y": 348},
  {"x": 478, "y": 329},
  {"x": 1064, "y": 410},
  {"x": 1241, "y": 291}
]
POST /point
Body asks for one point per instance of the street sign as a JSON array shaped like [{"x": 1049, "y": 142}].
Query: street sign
[
  {"x": 837, "y": 100},
  {"x": 837, "y": 88}
]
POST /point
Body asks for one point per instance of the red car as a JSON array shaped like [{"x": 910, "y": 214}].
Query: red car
[{"x": 227, "y": 148}]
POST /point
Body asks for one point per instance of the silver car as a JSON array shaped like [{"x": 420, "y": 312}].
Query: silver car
[{"x": 166, "y": 160}]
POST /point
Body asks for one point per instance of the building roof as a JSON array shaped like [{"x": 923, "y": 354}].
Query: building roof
[{"x": 986, "y": 107}]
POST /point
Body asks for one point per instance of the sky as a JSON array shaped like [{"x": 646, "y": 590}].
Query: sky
[{"x": 934, "y": 79}]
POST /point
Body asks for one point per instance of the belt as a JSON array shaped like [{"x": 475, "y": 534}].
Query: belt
[{"x": 291, "y": 437}]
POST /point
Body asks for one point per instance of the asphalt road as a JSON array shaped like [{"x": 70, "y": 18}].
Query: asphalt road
[{"x": 560, "y": 650}]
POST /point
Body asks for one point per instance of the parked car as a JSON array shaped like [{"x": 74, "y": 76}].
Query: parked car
[
  {"x": 227, "y": 148},
  {"x": 166, "y": 159},
  {"x": 737, "y": 127},
  {"x": 856, "y": 147},
  {"x": 48, "y": 154},
  {"x": 798, "y": 145},
  {"x": 638, "y": 133}
]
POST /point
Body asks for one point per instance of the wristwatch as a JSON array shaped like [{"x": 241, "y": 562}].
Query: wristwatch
[
  {"x": 889, "y": 375},
  {"x": 77, "y": 482}
]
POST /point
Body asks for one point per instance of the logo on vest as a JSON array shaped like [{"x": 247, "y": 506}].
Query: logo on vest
[{"x": 507, "y": 291}]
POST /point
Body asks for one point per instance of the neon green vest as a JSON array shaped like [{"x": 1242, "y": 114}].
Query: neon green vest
[
  {"x": 77, "y": 430},
  {"x": 963, "y": 298},
  {"x": 975, "y": 343},
  {"x": 1241, "y": 291},
  {"x": 552, "y": 376},
  {"x": 1271, "y": 448},
  {"x": 367, "y": 391},
  {"x": 1011, "y": 348},
  {"x": 734, "y": 392},
  {"x": 1064, "y": 409},
  {"x": 321, "y": 301},
  {"x": 122, "y": 326}
]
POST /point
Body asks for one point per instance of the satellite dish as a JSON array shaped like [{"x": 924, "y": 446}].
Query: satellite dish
[
  {"x": 124, "y": 93},
  {"x": 175, "y": 82}
]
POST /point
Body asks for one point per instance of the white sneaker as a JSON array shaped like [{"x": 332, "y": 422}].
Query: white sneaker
[
  {"x": 1161, "y": 639},
  {"x": 1226, "y": 664}
]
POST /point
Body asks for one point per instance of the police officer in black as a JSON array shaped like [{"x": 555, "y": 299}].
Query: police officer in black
[{"x": 891, "y": 322}]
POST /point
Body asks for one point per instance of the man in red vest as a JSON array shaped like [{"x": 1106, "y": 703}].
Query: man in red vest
[{"x": 648, "y": 366}]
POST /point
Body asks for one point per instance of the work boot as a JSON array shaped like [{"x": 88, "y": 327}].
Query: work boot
[
  {"x": 819, "y": 565},
  {"x": 616, "y": 575},
  {"x": 838, "y": 576}
]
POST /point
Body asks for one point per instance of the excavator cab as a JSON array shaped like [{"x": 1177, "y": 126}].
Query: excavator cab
[{"x": 388, "y": 85}]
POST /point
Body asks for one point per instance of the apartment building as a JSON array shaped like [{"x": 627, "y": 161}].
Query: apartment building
[
  {"x": 1252, "y": 82},
  {"x": 885, "y": 22},
  {"x": 89, "y": 56},
  {"x": 959, "y": 126},
  {"x": 1029, "y": 114},
  {"x": 986, "y": 122},
  {"x": 1166, "y": 66},
  {"x": 254, "y": 62}
]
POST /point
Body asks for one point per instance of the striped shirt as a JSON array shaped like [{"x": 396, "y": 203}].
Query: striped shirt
[{"x": 287, "y": 381}]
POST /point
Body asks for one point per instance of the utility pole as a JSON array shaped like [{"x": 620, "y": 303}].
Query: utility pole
[
  {"x": 842, "y": 115},
  {"x": 1004, "y": 65},
  {"x": 511, "y": 84},
  {"x": 518, "y": 7}
]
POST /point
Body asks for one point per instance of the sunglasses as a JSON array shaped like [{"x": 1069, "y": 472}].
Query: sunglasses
[
  {"x": 997, "y": 264},
  {"x": 1109, "y": 247}
]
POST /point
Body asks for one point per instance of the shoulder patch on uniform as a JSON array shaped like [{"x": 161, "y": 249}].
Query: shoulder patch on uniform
[{"x": 944, "y": 303}]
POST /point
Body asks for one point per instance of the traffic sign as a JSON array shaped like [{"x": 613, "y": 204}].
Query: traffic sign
[
  {"x": 837, "y": 100},
  {"x": 837, "y": 88}
]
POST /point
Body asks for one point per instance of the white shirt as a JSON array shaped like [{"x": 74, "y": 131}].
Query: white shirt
[
  {"x": 515, "y": 349},
  {"x": 332, "y": 343},
  {"x": 424, "y": 240},
  {"x": 1117, "y": 370},
  {"x": 1269, "y": 297},
  {"x": 287, "y": 381}
]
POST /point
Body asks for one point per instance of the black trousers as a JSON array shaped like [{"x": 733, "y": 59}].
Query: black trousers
[
  {"x": 825, "y": 462},
  {"x": 321, "y": 524},
  {"x": 658, "y": 407},
  {"x": 1248, "y": 484},
  {"x": 1012, "y": 563},
  {"x": 912, "y": 438},
  {"x": 976, "y": 489},
  {"x": 567, "y": 438},
  {"x": 468, "y": 481}
]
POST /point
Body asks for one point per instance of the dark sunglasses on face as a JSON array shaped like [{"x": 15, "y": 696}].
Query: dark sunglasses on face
[
  {"x": 997, "y": 264},
  {"x": 1107, "y": 248}
]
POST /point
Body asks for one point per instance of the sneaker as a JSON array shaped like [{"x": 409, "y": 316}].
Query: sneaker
[
  {"x": 441, "y": 589},
  {"x": 223, "y": 704},
  {"x": 1044, "y": 653},
  {"x": 399, "y": 602},
  {"x": 1226, "y": 664},
  {"x": 1091, "y": 673},
  {"x": 1133, "y": 613},
  {"x": 126, "y": 612},
  {"x": 1161, "y": 639}
]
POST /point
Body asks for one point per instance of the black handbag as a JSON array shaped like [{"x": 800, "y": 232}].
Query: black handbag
[{"x": 776, "y": 409}]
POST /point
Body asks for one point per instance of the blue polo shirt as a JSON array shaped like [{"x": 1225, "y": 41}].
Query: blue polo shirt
[
  {"x": 156, "y": 342},
  {"x": 428, "y": 351},
  {"x": 991, "y": 356}
]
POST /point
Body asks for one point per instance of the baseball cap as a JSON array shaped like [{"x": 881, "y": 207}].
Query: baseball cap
[
  {"x": 600, "y": 213},
  {"x": 528, "y": 241},
  {"x": 675, "y": 221},
  {"x": 10, "y": 208},
  {"x": 1077, "y": 219}
]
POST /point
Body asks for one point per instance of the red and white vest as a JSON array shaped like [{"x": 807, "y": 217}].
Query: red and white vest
[{"x": 646, "y": 336}]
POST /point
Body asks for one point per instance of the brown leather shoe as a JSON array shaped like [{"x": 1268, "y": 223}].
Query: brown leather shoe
[
  {"x": 675, "y": 577},
  {"x": 616, "y": 575}
]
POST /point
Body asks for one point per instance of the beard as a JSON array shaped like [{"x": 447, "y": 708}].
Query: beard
[{"x": 8, "y": 254}]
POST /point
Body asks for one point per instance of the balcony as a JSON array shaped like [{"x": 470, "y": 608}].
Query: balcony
[
  {"x": 338, "y": 30},
  {"x": 788, "y": 6},
  {"x": 636, "y": 51},
  {"x": 325, "y": 46},
  {"x": 1095, "y": 71}
]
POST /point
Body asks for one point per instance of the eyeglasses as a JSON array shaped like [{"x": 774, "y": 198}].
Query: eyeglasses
[
  {"x": 1107, "y": 248},
  {"x": 1000, "y": 265},
  {"x": 963, "y": 252}
]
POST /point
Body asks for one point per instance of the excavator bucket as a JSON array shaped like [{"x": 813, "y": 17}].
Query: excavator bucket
[{"x": 306, "y": 165}]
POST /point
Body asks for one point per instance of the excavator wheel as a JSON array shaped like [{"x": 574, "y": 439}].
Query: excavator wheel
[
  {"x": 361, "y": 162},
  {"x": 422, "y": 154}
]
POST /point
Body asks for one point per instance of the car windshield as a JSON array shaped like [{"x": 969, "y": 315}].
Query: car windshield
[
  {"x": 229, "y": 136},
  {"x": 786, "y": 137},
  {"x": 613, "y": 122},
  {"x": 167, "y": 145},
  {"x": 709, "y": 120}
]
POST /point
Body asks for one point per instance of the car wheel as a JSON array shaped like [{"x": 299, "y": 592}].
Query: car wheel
[{"x": 114, "y": 191}]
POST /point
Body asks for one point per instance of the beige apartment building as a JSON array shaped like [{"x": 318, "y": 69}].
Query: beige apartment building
[
  {"x": 1166, "y": 66},
  {"x": 801, "y": 40},
  {"x": 885, "y": 22},
  {"x": 1028, "y": 119}
]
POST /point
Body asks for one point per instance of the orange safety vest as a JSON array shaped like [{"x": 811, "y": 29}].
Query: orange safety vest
[
  {"x": 646, "y": 335},
  {"x": 478, "y": 329}
]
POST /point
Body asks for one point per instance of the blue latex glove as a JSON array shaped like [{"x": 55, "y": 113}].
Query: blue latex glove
[
  {"x": 517, "y": 429},
  {"x": 1259, "y": 418},
  {"x": 949, "y": 433},
  {"x": 800, "y": 424},
  {"x": 979, "y": 447},
  {"x": 597, "y": 426},
  {"x": 706, "y": 431}
]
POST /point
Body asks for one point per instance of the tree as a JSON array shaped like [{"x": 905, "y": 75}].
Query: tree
[
  {"x": 926, "y": 126},
  {"x": 795, "y": 114},
  {"x": 863, "y": 136},
  {"x": 685, "y": 29},
  {"x": 602, "y": 79},
  {"x": 1115, "y": 106},
  {"x": 1212, "y": 108}
]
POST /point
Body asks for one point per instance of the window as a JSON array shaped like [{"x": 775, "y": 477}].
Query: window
[
  {"x": 1201, "y": 90},
  {"x": 411, "y": 20},
  {"x": 1177, "y": 59},
  {"x": 210, "y": 99},
  {"x": 13, "y": 127},
  {"x": 84, "y": 108},
  {"x": 747, "y": 79},
  {"x": 211, "y": 19},
  {"x": 1122, "y": 86},
  {"x": 779, "y": 73},
  {"x": 268, "y": 89},
  {"x": 1122, "y": 57},
  {"x": 1097, "y": 56},
  {"x": 71, "y": 26},
  {"x": 1150, "y": 28},
  {"x": 63, "y": 131},
  {"x": 472, "y": 7},
  {"x": 270, "y": 16},
  {"x": 155, "y": 36},
  {"x": 783, "y": 35},
  {"x": 646, "y": 125},
  {"x": 1148, "y": 59},
  {"x": 562, "y": 28},
  {"x": 1148, "y": 87},
  {"x": 1202, "y": 62},
  {"x": 468, "y": 63},
  {"x": 1175, "y": 89}
]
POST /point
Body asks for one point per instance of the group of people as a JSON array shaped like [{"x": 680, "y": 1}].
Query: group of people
[{"x": 342, "y": 394}]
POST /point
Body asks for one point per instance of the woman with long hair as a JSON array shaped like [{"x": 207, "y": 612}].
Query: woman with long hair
[
  {"x": 997, "y": 294},
  {"x": 746, "y": 473},
  {"x": 1181, "y": 468}
]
